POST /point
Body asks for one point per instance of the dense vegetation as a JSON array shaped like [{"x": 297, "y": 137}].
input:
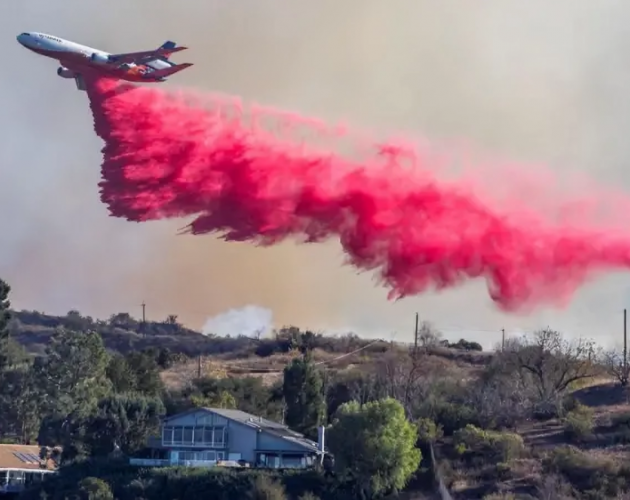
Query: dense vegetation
[{"x": 516, "y": 422}]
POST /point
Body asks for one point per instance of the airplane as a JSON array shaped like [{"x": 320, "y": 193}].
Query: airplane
[{"x": 77, "y": 60}]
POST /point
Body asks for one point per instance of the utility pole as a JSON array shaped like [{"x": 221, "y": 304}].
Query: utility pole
[
  {"x": 415, "y": 335},
  {"x": 144, "y": 319},
  {"x": 502, "y": 339},
  {"x": 625, "y": 342}
]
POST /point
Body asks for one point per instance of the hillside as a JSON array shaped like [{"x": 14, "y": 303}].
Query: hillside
[
  {"x": 120, "y": 332},
  {"x": 214, "y": 355},
  {"x": 541, "y": 420}
]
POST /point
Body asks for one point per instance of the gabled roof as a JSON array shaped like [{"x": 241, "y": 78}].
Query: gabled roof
[{"x": 262, "y": 424}]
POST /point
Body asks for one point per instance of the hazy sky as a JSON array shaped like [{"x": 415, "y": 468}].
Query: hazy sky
[{"x": 539, "y": 81}]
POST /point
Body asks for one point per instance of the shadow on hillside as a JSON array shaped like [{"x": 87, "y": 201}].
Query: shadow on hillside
[{"x": 602, "y": 395}]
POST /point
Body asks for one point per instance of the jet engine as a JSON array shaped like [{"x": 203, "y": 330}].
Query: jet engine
[
  {"x": 65, "y": 72},
  {"x": 99, "y": 58}
]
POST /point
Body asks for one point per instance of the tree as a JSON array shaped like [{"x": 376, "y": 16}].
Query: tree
[
  {"x": 74, "y": 321},
  {"x": 374, "y": 445},
  {"x": 223, "y": 400},
  {"x": 617, "y": 366},
  {"x": 171, "y": 319},
  {"x": 165, "y": 358},
  {"x": 5, "y": 317},
  {"x": 304, "y": 396},
  {"x": 93, "y": 488},
  {"x": 353, "y": 385},
  {"x": 73, "y": 374},
  {"x": 19, "y": 407},
  {"x": 428, "y": 335},
  {"x": 553, "y": 364},
  {"x": 121, "y": 375},
  {"x": 126, "y": 421},
  {"x": 147, "y": 372},
  {"x": 71, "y": 379}
]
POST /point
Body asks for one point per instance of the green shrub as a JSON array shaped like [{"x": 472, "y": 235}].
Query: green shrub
[
  {"x": 267, "y": 489},
  {"x": 92, "y": 488},
  {"x": 466, "y": 345},
  {"x": 428, "y": 431},
  {"x": 488, "y": 445},
  {"x": 454, "y": 416},
  {"x": 578, "y": 424}
]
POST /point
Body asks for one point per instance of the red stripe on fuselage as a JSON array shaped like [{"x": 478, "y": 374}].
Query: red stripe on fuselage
[{"x": 81, "y": 63}]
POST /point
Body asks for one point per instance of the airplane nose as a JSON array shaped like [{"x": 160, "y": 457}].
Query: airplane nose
[{"x": 23, "y": 39}]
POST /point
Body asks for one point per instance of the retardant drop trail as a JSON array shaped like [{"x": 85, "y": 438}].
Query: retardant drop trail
[{"x": 172, "y": 156}]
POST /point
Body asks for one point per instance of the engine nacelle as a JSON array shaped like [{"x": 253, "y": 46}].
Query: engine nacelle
[
  {"x": 99, "y": 58},
  {"x": 65, "y": 72}
]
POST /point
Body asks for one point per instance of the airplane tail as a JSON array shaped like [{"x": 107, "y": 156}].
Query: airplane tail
[
  {"x": 169, "y": 47},
  {"x": 162, "y": 73}
]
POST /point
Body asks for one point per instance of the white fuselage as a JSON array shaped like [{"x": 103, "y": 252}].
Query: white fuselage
[{"x": 71, "y": 52}]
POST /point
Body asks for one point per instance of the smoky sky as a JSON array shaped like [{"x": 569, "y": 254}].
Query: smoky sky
[{"x": 546, "y": 82}]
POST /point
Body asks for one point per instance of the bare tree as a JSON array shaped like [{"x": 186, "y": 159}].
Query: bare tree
[
  {"x": 501, "y": 398},
  {"x": 409, "y": 376},
  {"x": 616, "y": 366},
  {"x": 553, "y": 362},
  {"x": 428, "y": 335},
  {"x": 258, "y": 333}
]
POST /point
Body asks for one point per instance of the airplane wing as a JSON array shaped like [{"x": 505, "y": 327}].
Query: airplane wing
[{"x": 146, "y": 56}]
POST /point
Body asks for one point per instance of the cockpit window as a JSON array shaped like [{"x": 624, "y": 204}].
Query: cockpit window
[{"x": 26, "y": 34}]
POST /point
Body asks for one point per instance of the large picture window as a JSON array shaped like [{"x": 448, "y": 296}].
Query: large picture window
[{"x": 208, "y": 437}]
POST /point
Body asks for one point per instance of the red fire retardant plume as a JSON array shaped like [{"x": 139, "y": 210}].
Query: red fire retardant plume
[{"x": 169, "y": 155}]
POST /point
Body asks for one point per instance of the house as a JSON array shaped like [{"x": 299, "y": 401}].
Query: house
[
  {"x": 20, "y": 466},
  {"x": 206, "y": 436}
]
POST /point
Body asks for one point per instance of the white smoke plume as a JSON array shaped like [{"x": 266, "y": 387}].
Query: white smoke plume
[{"x": 251, "y": 321}]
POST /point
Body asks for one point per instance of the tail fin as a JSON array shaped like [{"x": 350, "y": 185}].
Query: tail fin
[
  {"x": 168, "y": 45},
  {"x": 168, "y": 48},
  {"x": 162, "y": 73}
]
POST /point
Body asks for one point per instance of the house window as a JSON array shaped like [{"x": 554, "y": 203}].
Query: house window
[
  {"x": 207, "y": 435},
  {"x": 293, "y": 461},
  {"x": 188, "y": 435},
  {"x": 198, "y": 435},
  {"x": 214, "y": 437},
  {"x": 271, "y": 460},
  {"x": 167, "y": 435},
  {"x": 177, "y": 435},
  {"x": 218, "y": 437}
]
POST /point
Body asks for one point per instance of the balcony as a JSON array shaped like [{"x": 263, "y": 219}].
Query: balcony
[
  {"x": 156, "y": 462},
  {"x": 149, "y": 462}
]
